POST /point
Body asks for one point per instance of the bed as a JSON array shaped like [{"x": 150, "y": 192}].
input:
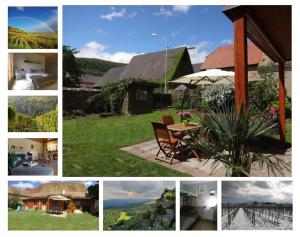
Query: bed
[{"x": 40, "y": 79}]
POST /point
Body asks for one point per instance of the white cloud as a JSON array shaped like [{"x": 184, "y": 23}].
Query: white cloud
[
  {"x": 88, "y": 183},
  {"x": 94, "y": 49},
  {"x": 100, "y": 31},
  {"x": 199, "y": 53},
  {"x": 226, "y": 41},
  {"x": 174, "y": 33},
  {"x": 181, "y": 9},
  {"x": 23, "y": 185},
  {"x": 123, "y": 13},
  {"x": 20, "y": 9}
]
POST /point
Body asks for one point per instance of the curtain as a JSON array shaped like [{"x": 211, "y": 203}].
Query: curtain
[{"x": 10, "y": 66}]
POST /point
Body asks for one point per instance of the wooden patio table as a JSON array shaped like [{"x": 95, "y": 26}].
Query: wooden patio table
[{"x": 181, "y": 128}]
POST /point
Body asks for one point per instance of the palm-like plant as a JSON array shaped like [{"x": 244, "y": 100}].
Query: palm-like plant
[{"x": 226, "y": 135}]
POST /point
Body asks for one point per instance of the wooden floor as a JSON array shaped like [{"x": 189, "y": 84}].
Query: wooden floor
[{"x": 204, "y": 225}]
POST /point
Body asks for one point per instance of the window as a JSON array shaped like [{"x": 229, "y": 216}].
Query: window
[{"x": 141, "y": 94}]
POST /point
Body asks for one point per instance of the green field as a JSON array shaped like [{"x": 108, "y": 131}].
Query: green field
[
  {"x": 38, "y": 220},
  {"x": 144, "y": 216},
  {"x": 18, "y": 39},
  {"x": 91, "y": 146}
]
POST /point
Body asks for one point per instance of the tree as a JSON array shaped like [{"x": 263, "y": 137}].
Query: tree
[
  {"x": 94, "y": 190},
  {"x": 71, "y": 69}
]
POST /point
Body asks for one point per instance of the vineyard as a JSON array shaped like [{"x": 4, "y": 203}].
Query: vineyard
[
  {"x": 125, "y": 218},
  {"x": 257, "y": 216},
  {"x": 18, "y": 39},
  {"x": 48, "y": 122},
  {"x": 18, "y": 122}
]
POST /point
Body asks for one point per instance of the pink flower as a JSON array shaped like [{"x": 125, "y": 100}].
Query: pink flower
[{"x": 272, "y": 110}]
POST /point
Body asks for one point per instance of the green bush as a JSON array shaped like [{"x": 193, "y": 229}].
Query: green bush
[
  {"x": 262, "y": 93},
  {"x": 218, "y": 95},
  {"x": 287, "y": 106}
]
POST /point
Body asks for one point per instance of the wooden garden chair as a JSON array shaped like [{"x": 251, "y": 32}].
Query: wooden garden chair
[
  {"x": 169, "y": 145},
  {"x": 168, "y": 120}
]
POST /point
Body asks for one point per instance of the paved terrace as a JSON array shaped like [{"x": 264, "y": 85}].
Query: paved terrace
[{"x": 147, "y": 150}]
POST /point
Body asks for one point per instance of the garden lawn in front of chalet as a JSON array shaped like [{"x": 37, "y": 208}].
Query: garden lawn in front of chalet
[
  {"x": 91, "y": 146},
  {"x": 39, "y": 220}
]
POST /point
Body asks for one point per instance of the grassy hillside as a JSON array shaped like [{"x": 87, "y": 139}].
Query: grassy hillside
[
  {"x": 96, "y": 67},
  {"x": 19, "y": 39}
]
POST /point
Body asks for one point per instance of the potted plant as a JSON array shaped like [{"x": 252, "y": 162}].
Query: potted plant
[{"x": 185, "y": 117}]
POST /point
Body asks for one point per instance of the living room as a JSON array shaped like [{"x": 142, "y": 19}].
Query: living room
[{"x": 32, "y": 156}]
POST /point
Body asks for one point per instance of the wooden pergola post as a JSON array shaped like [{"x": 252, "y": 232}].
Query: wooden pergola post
[
  {"x": 240, "y": 62},
  {"x": 281, "y": 102}
]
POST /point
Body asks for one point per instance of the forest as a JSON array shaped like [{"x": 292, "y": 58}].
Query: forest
[
  {"x": 150, "y": 215},
  {"x": 19, "y": 39},
  {"x": 32, "y": 114}
]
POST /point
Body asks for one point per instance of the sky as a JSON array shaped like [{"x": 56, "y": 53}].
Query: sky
[
  {"x": 33, "y": 19},
  {"x": 117, "y": 33},
  {"x": 135, "y": 189},
  {"x": 259, "y": 191},
  {"x": 34, "y": 184}
]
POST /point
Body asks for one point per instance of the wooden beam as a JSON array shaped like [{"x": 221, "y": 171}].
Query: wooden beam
[
  {"x": 281, "y": 102},
  {"x": 240, "y": 61},
  {"x": 255, "y": 32}
]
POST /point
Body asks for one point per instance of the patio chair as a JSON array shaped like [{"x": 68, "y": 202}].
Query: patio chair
[
  {"x": 169, "y": 145},
  {"x": 168, "y": 120}
]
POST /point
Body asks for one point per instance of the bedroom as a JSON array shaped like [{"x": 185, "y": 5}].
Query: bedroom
[
  {"x": 32, "y": 71},
  {"x": 198, "y": 205}
]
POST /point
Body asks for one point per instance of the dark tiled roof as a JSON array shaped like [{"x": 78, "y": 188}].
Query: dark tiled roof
[
  {"x": 197, "y": 67},
  {"x": 223, "y": 57},
  {"x": 86, "y": 78},
  {"x": 111, "y": 76},
  {"x": 151, "y": 66}
]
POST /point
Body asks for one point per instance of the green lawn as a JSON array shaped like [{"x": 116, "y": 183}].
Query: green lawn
[
  {"x": 91, "y": 146},
  {"x": 38, "y": 220}
]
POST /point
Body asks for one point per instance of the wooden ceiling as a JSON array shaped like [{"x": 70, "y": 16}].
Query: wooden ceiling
[
  {"x": 269, "y": 27},
  {"x": 43, "y": 140}
]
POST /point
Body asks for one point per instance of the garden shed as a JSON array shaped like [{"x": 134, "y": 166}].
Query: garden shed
[{"x": 139, "y": 98}]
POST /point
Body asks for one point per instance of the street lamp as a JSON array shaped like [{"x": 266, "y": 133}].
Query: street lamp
[{"x": 166, "y": 58}]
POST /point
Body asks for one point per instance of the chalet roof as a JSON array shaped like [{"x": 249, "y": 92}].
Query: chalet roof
[
  {"x": 197, "y": 67},
  {"x": 151, "y": 66},
  {"x": 87, "y": 78},
  {"x": 111, "y": 75},
  {"x": 223, "y": 57},
  {"x": 69, "y": 189}
]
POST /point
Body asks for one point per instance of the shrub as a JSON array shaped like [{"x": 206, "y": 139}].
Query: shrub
[
  {"x": 262, "y": 93},
  {"x": 287, "y": 106},
  {"x": 218, "y": 95}
]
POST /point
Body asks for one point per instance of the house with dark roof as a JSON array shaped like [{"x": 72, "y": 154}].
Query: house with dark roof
[
  {"x": 111, "y": 75},
  {"x": 151, "y": 66},
  {"x": 55, "y": 196},
  {"x": 88, "y": 81},
  {"x": 223, "y": 58}
]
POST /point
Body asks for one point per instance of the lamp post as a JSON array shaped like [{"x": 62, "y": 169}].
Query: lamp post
[{"x": 166, "y": 58}]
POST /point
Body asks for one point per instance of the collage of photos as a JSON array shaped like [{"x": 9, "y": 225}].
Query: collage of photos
[{"x": 162, "y": 123}]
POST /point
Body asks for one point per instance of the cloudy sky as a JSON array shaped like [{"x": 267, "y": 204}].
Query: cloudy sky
[
  {"x": 260, "y": 191},
  {"x": 135, "y": 189},
  {"x": 34, "y": 184},
  {"x": 118, "y": 33},
  {"x": 33, "y": 19}
]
